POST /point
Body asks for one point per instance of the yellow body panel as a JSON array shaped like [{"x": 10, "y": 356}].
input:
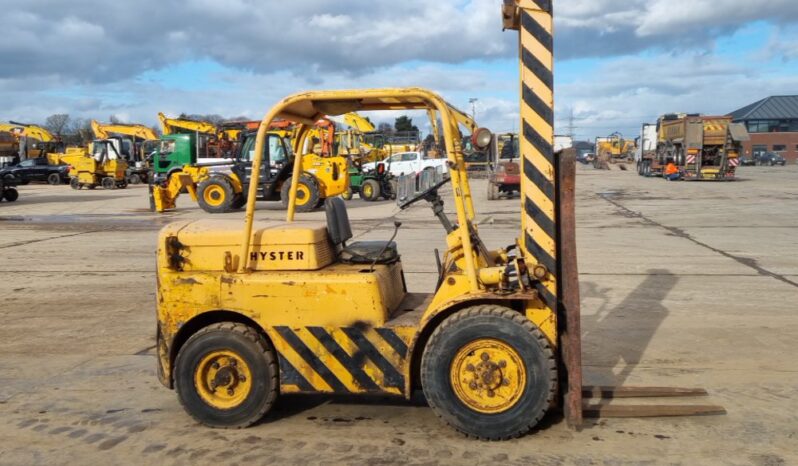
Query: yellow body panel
[{"x": 71, "y": 157}]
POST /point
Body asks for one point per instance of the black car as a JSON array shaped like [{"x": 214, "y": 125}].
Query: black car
[
  {"x": 747, "y": 161},
  {"x": 770, "y": 158},
  {"x": 38, "y": 170}
]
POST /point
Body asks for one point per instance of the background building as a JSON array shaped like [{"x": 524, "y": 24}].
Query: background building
[{"x": 773, "y": 124}]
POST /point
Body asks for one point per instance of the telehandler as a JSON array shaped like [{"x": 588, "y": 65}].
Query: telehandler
[
  {"x": 249, "y": 312},
  {"x": 222, "y": 186}
]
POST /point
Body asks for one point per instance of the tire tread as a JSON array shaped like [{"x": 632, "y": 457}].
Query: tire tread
[{"x": 509, "y": 314}]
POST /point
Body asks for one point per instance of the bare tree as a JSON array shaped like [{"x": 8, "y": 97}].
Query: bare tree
[
  {"x": 57, "y": 123},
  {"x": 81, "y": 130}
]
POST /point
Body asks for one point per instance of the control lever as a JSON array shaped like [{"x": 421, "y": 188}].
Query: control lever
[{"x": 396, "y": 225}]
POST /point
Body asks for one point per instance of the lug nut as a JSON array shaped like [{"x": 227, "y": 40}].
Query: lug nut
[
  {"x": 233, "y": 363},
  {"x": 502, "y": 364},
  {"x": 242, "y": 378},
  {"x": 470, "y": 368},
  {"x": 230, "y": 391},
  {"x": 491, "y": 394},
  {"x": 472, "y": 385},
  {"x": 485, "y": 356},
  {"x": 215, "y": 365}
]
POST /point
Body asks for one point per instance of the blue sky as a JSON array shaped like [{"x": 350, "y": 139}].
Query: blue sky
[{"x": 619, "y": 63}]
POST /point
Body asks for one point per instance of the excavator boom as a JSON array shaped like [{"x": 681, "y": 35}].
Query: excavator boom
[
  {"x": 103, "y": 131},
  {"x": 28, "y": 131}
]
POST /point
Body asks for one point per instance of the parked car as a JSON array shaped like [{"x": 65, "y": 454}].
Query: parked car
[
  {"x": 770, "y": 158},
  {"x": 746, "y": 161},
  {"x": 406, "y": 163},
  {"x": 38, "y": 170}
]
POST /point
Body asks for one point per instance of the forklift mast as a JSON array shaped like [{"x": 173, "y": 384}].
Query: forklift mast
[{"x": 544, "y": 234}]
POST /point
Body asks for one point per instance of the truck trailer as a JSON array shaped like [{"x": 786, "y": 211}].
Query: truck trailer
[{"x": 702, "y": 147}]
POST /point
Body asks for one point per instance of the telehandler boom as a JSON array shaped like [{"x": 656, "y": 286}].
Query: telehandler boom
[{"x": 276, "y": 308}]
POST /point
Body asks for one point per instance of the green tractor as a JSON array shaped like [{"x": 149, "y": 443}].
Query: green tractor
[{"x": 370, "y": 184}]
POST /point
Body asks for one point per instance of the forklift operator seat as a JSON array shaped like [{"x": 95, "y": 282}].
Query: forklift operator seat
[{"x": 360, "y": 252}]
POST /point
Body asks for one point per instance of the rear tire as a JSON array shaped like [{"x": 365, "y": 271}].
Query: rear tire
[
  {"x": 483, "y": 351},
  {"x": 10, "y": 194},
  {"x": 108, "y": 183},
  {"x": 54, "y": 179},
  {"x": 74, "y": 183},
  {"x": 307, "y": 194},
  {"x": 216, "y": 195},
  {"x": 134, "y": 179},
  {"x": 370, "y": 191},
  {"x": 226, "y": 376}
]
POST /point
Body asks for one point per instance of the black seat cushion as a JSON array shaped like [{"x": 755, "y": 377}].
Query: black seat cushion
[{"x": 365, "y": 252}]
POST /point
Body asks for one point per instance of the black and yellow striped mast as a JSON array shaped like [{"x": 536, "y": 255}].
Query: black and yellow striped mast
[{"x": 533, "y": 20}]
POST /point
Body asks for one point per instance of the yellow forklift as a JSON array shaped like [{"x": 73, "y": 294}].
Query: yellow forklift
[{"x": 250, "y": 311}]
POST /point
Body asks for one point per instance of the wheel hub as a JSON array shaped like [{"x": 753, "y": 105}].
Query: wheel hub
[
  {"x": 222, "y": 379},
  {"x": 488, "y": 376}
]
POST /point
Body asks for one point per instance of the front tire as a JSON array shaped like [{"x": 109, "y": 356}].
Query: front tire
[
  {"x": 108, "y": 183},
  {"x": 74, "y": 183},
  {"x": 54, "y": 179},
  {"x": 226, "y": 376},
  {"x": 216, "y": 195},
  {"x": 489, "y": 372},
  {"x": 307, "y": 194},
  {"x": 348, "y": 194}
]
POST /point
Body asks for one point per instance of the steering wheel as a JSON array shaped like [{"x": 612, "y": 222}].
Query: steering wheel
[{"x": 430, "y": 194}]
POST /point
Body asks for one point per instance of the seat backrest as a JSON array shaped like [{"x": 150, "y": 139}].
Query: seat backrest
[{"x": 338, "y": 226}]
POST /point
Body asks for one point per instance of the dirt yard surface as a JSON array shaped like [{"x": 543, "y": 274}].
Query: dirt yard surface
[{"x": 683, "y": 284}]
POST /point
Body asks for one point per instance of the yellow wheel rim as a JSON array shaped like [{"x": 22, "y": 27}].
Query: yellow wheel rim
[
  {"x": 214, "y": 195},
  {"x": 302, "y": 194},
  {"x": 368, "y": 190},
  {"x": 488, "y": 376},
  {"x": 223, "y": 379}
]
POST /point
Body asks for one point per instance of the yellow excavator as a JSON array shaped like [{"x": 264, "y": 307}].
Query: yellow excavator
[
  {"x": 254, "y": 311},
  {"x": 212, "y": 142},
  {"x": 32, "y": 141},
  {"x": 136, "y": 143}
]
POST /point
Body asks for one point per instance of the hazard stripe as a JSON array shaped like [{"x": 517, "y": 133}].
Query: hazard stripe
[
  {"x": 393, "y": 339},
  {"x": 311, "y": 359},
  {"x": 545, "y": 185},
  {"x": 544, "y": 5},
  {"x": 538, "y": 32},
  {"x": 541, "y": 219},
  {"x": 392, "y": 376},
  {"x": 539, "y": 187},
  {"x": 361, "y": 378},
  {"x": 290, "y": 376},
  {"x": 543, "y": 256},
  {"x": 537, "y": 68}
]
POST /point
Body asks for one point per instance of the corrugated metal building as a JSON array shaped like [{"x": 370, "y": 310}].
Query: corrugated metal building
[{"x": 773, "y": 125}]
